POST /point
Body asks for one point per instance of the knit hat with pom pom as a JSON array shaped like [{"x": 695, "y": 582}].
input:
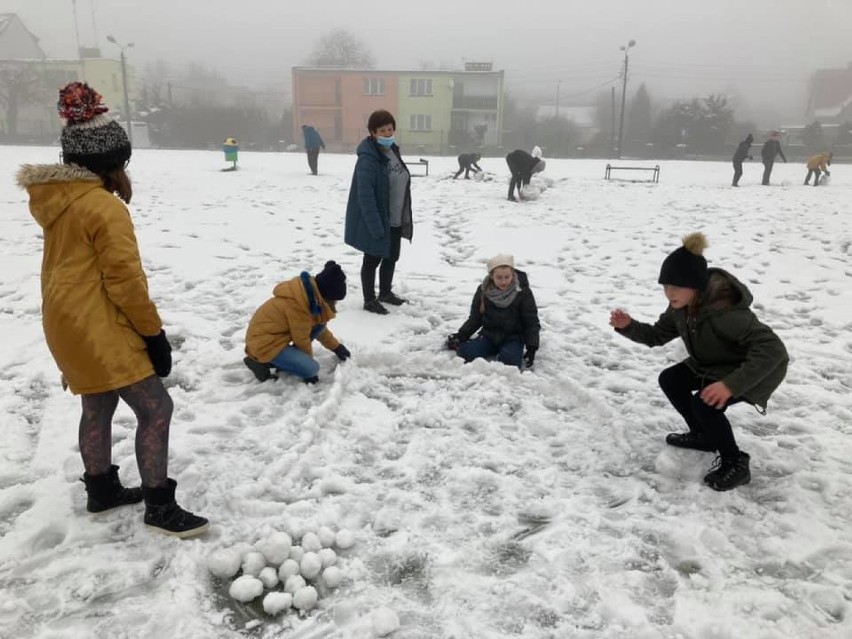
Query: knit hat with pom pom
[
  {"x": 686, "y": 266},
  {"x": 90, "y": 138}
]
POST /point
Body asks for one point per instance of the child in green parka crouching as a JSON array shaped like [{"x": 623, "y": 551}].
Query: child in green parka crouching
[{"x": 733, "y": 357}]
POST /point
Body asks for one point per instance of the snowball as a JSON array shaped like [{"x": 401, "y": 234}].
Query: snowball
[
  {"x": 531, "y": 192},
  {"x": 287, "y": 569},
  {"x": 297, "y": 552},
  {"x": 332, "y": 576},
  {"x": 225, "y": 563},
  {"x": 328, "y": 557},
  {"x": 276, "y": 547},
  {"x": 479, "y": 176},
  {"x": 294, "y": 583},
  {"x": 326, "y": 536},
  {"x": 310, "y": 542},
  {"x": 311, "y": 565},
  {"x": 253, "y": 563},
  {"x": 269, "y": 577},
  {"x": 385, "y": 621},
  {"x": 306, "y": 598},
  {"x": 344, "y": 539},
  {"x": 245, "y": 588},
  {"x": 276, "y": 602},
  {"x": 536, "y": 152}
]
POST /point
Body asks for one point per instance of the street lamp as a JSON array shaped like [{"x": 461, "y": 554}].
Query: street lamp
[
  {"x": 124, "y": 84},
  {"x": 632, "y": 43}
]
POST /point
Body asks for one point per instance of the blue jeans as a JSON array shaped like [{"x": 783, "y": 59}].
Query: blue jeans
[
  {"x": 292, "y": 360},
  {"x": 509, "y": 353}
]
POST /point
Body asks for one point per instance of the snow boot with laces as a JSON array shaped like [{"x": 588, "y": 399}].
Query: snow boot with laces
[
  {"x": 731, "y": 473},
  {"x": 691, "y": 440},
  {"x": 163, "y": 515},
  {"x": 106, "y": 492}
]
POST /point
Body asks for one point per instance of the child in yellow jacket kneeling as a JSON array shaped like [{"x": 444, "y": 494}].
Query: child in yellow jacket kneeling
[{"x": 280, "y": 332}]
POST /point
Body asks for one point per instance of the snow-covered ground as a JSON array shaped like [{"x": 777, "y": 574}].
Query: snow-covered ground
[{"x": 486, "y": 503}]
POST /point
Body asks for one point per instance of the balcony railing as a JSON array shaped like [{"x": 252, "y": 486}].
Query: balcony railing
[{"x": 484, "y": 102}]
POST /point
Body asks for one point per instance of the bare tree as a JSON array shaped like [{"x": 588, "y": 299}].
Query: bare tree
[
  {"x": 339, "y": 48},
  {"x": 19, "y": 85}
]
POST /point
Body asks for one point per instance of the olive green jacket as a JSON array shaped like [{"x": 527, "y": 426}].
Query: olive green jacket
[{"x": 725, "y": 341}]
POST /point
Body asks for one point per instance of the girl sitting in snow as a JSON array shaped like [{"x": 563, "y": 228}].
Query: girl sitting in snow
[
  {"x": 280, "y": 332},
  {"x": 732, "y": 356},
  {"x": 504, "y": 308}
]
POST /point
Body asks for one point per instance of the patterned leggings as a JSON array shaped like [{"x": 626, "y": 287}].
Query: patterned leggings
[{"x": 153, "y": 407}]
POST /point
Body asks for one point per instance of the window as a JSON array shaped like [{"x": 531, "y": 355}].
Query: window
[
  {"x": 421, "y": 123},
  {"x": 374, "y": 86},
  {"x": 420, "y": 86}
]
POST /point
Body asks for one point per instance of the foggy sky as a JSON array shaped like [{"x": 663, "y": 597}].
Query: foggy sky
[{"x": 760, "y": 50}]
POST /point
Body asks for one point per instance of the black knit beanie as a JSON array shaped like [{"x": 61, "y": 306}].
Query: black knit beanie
[
  {"x": 686, "y": 266},
  {"x": 331, "y": 281},
  {"x": 90, "y": 138}
]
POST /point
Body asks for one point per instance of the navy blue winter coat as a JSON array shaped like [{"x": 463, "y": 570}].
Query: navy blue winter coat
[
  {"x": 368, "y": 209},
  {"x": 313, "y": 140}
]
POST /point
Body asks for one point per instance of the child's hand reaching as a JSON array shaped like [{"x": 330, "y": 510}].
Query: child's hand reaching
[
  {"x": 716, "y": 395},
  {"x": 619, "y": 319}
]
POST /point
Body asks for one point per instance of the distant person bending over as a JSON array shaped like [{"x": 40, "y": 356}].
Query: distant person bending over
[
  {"x": 818, "y": 163},
  {"x": 468, "y": 163},
  {"x": 771, "y": 149},
  {"x": 740, "y": 155},
  {"x": 504, "y": 309},
  {"x": 522, "y": 165},
  {"x": 313, "y": 143}
]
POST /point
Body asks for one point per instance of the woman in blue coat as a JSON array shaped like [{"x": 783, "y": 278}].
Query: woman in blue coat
[{"x": 378, "y": 214}]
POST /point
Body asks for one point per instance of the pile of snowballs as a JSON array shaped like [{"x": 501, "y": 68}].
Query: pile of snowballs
[{"x": 276, "y": 561}]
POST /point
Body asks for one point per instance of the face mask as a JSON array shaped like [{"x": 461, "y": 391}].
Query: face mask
[{"x": 385, "y": 142}]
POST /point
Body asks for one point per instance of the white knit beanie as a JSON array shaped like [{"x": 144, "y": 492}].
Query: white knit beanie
[{"x": 501, "y": 260}]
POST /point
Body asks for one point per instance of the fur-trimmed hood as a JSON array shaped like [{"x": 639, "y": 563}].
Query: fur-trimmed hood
[
  {"x": 723, "y": 292},
  {"x": 53, "y": 187}
]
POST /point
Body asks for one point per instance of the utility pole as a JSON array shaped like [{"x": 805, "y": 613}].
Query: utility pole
[
  {"x": 127, "y": 114},
  {"x": 632, "y": 43},
  {"x": 612, "y": 130}
]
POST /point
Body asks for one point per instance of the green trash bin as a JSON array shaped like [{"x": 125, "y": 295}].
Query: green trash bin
[{"x": 231, "y": 150}]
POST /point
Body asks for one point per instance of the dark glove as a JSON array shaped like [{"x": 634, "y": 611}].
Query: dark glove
[
  {"x": 750, "y": 158},
  {"x": 529, "y": 356},
  {"x": 454, "y": 341},
  {"x": 160, "y": 353},
  {"x": 342, "y": 353},
  {"x": 827, "y": 174}
]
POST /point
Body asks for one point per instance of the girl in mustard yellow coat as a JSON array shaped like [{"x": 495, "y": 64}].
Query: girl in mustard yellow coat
[{"x": 100, "y": 324}]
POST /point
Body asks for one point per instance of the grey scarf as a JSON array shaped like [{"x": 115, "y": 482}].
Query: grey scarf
[{"x": 501, "y": 299}]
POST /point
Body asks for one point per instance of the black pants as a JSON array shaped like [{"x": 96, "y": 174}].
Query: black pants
[
  {"x": 679, "y": 384},
  {"x": 816, "y": 174},
  {"x": 388, "y": 265},
  {"x": 153, "y": 407},
  {"x": 738, "y": 172},
  {"x": 467, "y": 168},
  {"x": 767, "y": 171},
  {"x": 519, "y": 180},
  {"x": 313, "y": 154}
]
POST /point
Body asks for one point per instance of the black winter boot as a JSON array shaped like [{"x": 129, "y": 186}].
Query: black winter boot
[
  {"x": 106, "y": 492},
  {"x": 260, "y": 371},
  {"x": 732, "y": 473},
  {"x": 163, "y": 515},
  {"x": 692, "y": 440}
]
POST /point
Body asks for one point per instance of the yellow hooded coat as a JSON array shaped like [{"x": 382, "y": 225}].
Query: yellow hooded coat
[
  {"x": 95, "y": 303},
  {"x": 819, "y": 161},
  {"x": 288, "y": 317}
]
